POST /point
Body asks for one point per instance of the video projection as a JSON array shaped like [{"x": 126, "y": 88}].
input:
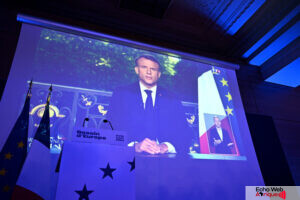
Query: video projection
[{"x": 192, "y": 109}]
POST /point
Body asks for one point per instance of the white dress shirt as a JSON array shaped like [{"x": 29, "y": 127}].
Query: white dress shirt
[
  {"x": 220, "y": 132},
  {"x": 144, "y": 94}
]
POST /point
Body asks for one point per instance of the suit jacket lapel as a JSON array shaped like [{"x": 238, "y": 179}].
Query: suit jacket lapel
[
  {"x": 139, "y": 99},
  {"x": 158, "y": 97}
]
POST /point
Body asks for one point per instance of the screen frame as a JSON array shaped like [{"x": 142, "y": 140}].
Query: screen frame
[{"x": 122, "y": 41}]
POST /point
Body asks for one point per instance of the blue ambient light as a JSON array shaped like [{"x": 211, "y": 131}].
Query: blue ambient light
[
  {"x": 289, "y": 75},
  {"x": 276, "y": 28},
  {"x": 287, "y": 37}
]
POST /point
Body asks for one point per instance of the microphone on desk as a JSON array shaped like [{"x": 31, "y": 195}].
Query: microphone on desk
[
  {"x": 85, "y": 120},
  {"x": 105, "y": 121}
]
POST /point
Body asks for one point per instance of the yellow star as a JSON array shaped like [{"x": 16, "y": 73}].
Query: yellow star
[
  {"x": 229, "y": 111},
  {"x": 20, "y": 144},
  {"x": 8, "y": 156},
  {"x": 88, "y": 103},
  {"x": 229, "y": 96},
  {"x": 2, "y": 172},
  {"x": 224, "y": 82},
  {"x": 6, "y": 188}
]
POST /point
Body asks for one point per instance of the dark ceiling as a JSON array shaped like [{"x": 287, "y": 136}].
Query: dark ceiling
[{"x": 203, "y": 27}]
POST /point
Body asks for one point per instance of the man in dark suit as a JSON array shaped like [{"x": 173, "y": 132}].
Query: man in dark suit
[
  {"x": 220, "y": 139},
  {"x": 152, "y": 116}
]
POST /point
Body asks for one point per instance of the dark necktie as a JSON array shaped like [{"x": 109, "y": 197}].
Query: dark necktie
[
  {"x": 149, "y": 117},
  {"x": 149, "y": 102}
]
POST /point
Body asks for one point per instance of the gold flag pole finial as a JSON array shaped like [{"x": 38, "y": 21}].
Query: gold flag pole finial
[
  {"x": 49, "y": 94},
  {"x": 29, "y": 90}
]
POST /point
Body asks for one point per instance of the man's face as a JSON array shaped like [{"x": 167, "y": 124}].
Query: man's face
[
  {"x": 148, "y": 72},
  {"x": 217, "y": 122}
]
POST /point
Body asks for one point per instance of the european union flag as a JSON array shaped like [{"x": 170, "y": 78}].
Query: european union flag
[
  {"x": 14, "y": 151},
  {"x": 35, "y": 179}
]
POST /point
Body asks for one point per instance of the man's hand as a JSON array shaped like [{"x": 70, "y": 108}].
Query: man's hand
[
  {"x": 163, "y": 148},
  {"x": 148, "y": 146},
  {"x": 217, "y": 142}
]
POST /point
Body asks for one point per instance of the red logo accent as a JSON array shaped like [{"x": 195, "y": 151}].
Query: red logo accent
[{"x": 282, "y": 194}]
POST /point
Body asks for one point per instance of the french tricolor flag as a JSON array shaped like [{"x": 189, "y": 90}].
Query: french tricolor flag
[{"x": 212, "y": 103}]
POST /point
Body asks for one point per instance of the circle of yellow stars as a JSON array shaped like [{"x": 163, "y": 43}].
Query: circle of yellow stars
[{"x": 9, "y": 156}]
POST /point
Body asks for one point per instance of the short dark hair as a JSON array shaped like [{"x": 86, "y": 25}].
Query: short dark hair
[
  {"x": 149, "y": 58},
  {"x": 214, "y": 117}
]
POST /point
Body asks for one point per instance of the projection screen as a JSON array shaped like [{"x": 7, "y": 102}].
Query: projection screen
[{"x": 98, "y": 76}]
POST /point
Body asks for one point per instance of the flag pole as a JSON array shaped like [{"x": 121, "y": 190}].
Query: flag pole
[
  {"x": 49, "y": 95},
  {"x": 29, "y": 94}
]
